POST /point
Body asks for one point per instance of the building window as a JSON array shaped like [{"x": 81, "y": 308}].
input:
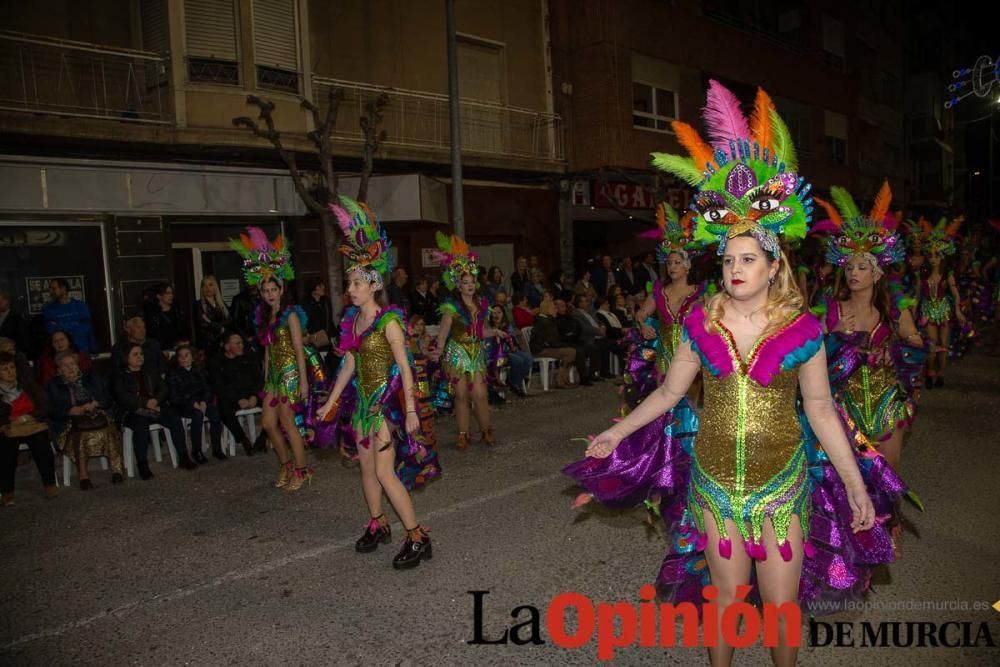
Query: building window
[
  {"x": 890, "y": 158},
  {"x": 211, "y": 33},
  {"x": 276, "y": 47},
  {"x": 835, "y": 136},
  {"x": 652, "y": 108},
  {"x": 654, "y": 96},
  {"x": 834, "y": 44}
]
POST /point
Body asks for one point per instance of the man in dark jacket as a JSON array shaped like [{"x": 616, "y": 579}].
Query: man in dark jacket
[
  {"x": 135, "y": 332},
  {"x": 243, "y": 311},
  {"x": 588, "y": 355},
  {"x": 236, "y": 380},
  {"x": 592, "y": 333},
  {"x": 423, "y": 303},
  {"x": 546, "y": 342}
]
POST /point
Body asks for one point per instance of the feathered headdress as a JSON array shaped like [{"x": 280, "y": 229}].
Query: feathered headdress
[
  {"x": 263, "y": 260},
  {"x": 939, "y": 238},
  {"x": 456, "y": 257},
  {"x": 675, "y": 233},
  {"x": 873, "y": 235},
  {"x": 365, "y": 242},
  {"x": 746, "y": 176}
]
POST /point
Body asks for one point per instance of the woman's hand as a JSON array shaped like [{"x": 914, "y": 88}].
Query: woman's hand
[
  {"x": 327, "y": 407},
  {"x": 304, "y": 392},
  {"x": 647, "y": 332},
  {"x": 77, "y": 411},
  {"x": 412, "y": 422},
  {"x": 153, "y": 404},
  {"x": 605, "y": 443},
  {"x": 861, "y": 508},
  {"x": 847, "y": 324}
]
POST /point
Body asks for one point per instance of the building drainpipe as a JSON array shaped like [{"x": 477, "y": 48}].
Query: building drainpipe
[{"x": 457, "y": 205}]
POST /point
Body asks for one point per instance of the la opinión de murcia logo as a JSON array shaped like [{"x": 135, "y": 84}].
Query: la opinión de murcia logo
[{"x": 617, "y": 625}]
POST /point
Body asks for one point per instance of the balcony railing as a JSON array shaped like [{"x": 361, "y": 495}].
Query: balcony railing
[
  {"x": 420, "y": 120},
  {"x": 55, "y": 76}
]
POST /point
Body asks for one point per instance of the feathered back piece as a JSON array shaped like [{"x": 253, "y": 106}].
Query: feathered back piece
[
  {"x": 456, "y": 257},
  {"x": 853, "y": 233},
  {"x": 263, "y": 260},
  {"x": 365, "y": 242},
  {"x": 745, "y": 173},
  {"x": 675, "y": 233}
]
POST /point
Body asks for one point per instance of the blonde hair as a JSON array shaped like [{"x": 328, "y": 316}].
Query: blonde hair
[
  {"x": 219, "y": 301},
  {"x": 784, "y": 299}
]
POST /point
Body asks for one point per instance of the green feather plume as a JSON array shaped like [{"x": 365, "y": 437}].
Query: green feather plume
[
  {"x": 844, "y": 202},
  {"x": 681, "y": 167},
  {"x": 782, "y": 143}
]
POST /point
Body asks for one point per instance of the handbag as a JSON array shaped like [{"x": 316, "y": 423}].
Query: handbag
[
  {"x": 320, "y": 340},
  {"x": 90, "y": 421}
]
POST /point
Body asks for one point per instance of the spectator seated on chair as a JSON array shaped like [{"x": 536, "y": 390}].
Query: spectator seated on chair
[
  {"x": 59, "y": 341},
  {"x": 141, "y": 396},
  {"x": 235, "y": 377},
  {"x": 524, "y": 315},
  {"x": 80, "y": 419},
  {"x": 135, "y": 331},
  {"x": 22, "y": 411},
  {"x": 191, "y": 397},
  {"x": 588, "y": 355},
  {"x": 545, "y": 342},
  {"x": 518, "y": 359},
  {"x": 593, "y": 333}
]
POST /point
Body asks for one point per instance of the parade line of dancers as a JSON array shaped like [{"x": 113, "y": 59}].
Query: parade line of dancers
[{"x": 764, "y": 411}]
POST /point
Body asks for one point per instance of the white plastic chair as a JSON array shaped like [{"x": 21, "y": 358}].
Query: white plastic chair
[
  {"x": 246, "y": 418},
  {"x": 69, "y": 468},
  {"x": 23, "y": 447},
  {"x": 546, "y": 365},
  {"x": 128, "y": 450}
]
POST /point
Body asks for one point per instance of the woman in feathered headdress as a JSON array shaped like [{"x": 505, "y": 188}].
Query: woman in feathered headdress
[
  {"x": 671, "y": 301},
  {"x": 937, "y": 297},
  {"x": 375, "y": 389},
  {"x": 268, "y": 267},
  {"x": 874, "y": 350},
  {"x": 748, "y": 470},
  {"x": 461, "y": 342}
]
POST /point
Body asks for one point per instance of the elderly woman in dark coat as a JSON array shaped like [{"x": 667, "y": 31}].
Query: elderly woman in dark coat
[{"x": 82, "y": 426}]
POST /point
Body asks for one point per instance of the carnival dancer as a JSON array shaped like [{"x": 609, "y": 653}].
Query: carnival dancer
[
  {"x": 671, "y": 301},
  {"x": 938, "y": 298},
  {"x": 754, "y": 475},
  {"x": 280, "y": 323},
  {"x": 874, "y": 351},
  {"x": 461, "y": 341},
  {"x": 375, "y": 388}
]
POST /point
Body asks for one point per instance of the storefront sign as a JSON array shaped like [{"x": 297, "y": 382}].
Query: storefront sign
[
  {"x": 427, "y": 259},
  {"x": 38, "y": 291},
  {"x": 229, "y": 288},
  {"x": 634, "y": 196}
]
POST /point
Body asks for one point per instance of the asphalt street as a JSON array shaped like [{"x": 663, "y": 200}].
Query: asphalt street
[{"x": 215, "y": 567}]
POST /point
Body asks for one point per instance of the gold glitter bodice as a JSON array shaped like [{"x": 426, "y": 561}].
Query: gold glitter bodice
[
  {"x": 373, "y": 362},
  {"x": 461, "y": 333},
  {"x": 748, "y": 432},
  {"x": 281, "y": 355}
]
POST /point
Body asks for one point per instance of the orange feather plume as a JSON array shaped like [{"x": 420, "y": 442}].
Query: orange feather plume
[
  {"x": 882, "y": 202},
  {"x": 245, "y": 240},
  {"x": 661, "y": 217},
  {"x": 279, "y": 243},
  {"x": 831, "y": 211},
  {"x": 760, "y": 119},
  {"x": 952, "y": 229},
  {"x": 689, "y": 138},
  {"x": 458, "y": 246}
]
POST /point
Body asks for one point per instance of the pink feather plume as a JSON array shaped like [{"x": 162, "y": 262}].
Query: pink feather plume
[
  {"x": 258, "y": 238},
  {"x": 724, "y": 120}
]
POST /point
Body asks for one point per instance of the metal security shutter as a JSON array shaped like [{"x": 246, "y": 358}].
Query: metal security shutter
[
  {"x": 153, "y": 14},
  {"x": 274, "y": 43},
  {"x": 211, "y": 29}
]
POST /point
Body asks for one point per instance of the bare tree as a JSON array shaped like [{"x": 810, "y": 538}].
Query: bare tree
[
  {"x": 317, "y": 193},
  {"x": 370, "y": 122}
]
